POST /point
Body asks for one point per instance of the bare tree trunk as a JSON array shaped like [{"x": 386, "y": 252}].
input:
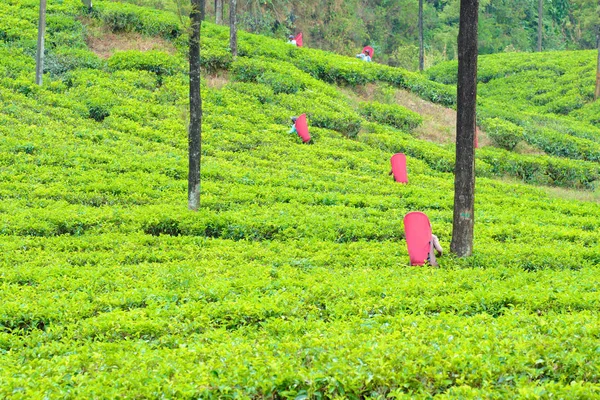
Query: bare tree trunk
[
  {"x": 218, "y": 12},
  {"x": 87, "y": 3},
  {"x": 195, "y": 128},
  {"x": 421, "y": 50},
  {"x": 39, "y": 57},
  {"x": 540, "y": 24},
  {"x": 464, "y": 172},
  {"x": 597, "y": 92},
  {"x": 233, "y": 27}
]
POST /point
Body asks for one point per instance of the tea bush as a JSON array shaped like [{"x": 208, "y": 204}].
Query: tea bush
[
  {"x": 546, "y": 94},
  {"x": 504, "y": 134},
  {"x": 65, "y": 59},
  {"x": 391, "y": 114},
  {"x": 123, "y": 17},
  {"x": 153, "y": 61}
]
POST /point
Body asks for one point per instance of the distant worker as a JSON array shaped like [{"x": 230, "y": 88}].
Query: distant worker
[
  {"x": 365, "y": 56},
  {"x": 292, "y": 40}
]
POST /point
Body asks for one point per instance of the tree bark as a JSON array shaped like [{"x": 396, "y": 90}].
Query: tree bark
[
  {"x": 464, "y": 172},
  {"x": 421, "y": 49},
  {"x": 233, "y": 27},
  {"x": 88, "y": 4},
  {"x": 597, "y": 92},
  {"x": 39, "y": 57},
  {"x": 218, "y": 12},
  {"x": 540, "y": 24},
  {"x": 195, "y": 128}
]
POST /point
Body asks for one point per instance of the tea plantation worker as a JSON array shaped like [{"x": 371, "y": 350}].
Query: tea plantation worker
[
  {"x": 291, "y": 40},
  {"x": 364, "y": 56},
  {"x": 434, "y": 244},
  {"x": 303, "y": 134},
  {"x": 293, "y": 129}
]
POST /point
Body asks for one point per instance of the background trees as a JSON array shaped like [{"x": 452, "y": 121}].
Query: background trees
[{"x": 392, "y": 27}]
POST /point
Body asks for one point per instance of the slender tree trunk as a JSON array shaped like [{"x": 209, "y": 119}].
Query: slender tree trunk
[
  {"x": 87, "y": 3},
  {"x": 540, "y": 24},
  {"x": 219, "y": 12},
  {"x": 39, "y": 57},
  {"x": 233, "y": 27},
  {"x": 421, "y": 49},
  {"x": 597, "y": 92},
  {"x": 464, "y": 172},
  {"x": 195, "y": 128}
]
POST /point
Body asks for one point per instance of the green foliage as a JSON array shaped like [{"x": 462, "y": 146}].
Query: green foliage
[
  {"x": 503, "y": 133},
  {"x": 342, "y": 70},
  {"x": 542, "y": 98},
  {"x": 542, "y": 170},
  {"x": 157, "y": 62},
  {"x": 215, "y": 57},
  {"x": 277, "y": 76},
  {"x": 391, "y": 114},
  {"x": 392, "y": 27},
  {"x": 64, "y": 59},
  {"x": 291, "y": 281},
  {"x": 263, "y": 93},
  {"x": 123, "y": 17}
]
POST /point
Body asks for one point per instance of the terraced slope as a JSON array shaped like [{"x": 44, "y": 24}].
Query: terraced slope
[{"x": 292, "y": 281}]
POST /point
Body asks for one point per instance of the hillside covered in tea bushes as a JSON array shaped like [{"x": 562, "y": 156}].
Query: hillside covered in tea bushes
[{"x": 292, "y": 281}]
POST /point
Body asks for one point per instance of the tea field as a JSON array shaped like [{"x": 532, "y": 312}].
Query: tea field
[{"x": 292, "y": 281}]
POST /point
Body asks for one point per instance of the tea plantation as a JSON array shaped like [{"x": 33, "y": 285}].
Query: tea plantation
[{"x": 292, "y": 281}]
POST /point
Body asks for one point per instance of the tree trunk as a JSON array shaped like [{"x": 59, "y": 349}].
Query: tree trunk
[
  {"x": 540, "y": 24},
  {"x": 597, "y": 92},
  {"x": 233, "y": 27},
  {"x": 464, "y": 171},
  {"x": 421, "y": 50},
  {"x": 195, "y": 128},
  {"x": 88, "y": 4},
  {"x": 219, "y": 12},
  {"x": 39, "y": 57}
]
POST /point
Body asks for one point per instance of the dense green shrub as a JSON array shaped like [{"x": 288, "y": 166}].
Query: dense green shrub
[
  {"x": 215, "y": 57},
  {"x": 542, "y": 170},
  {"x": 503, "y": 133},
  {"x": 281, "y": 77},
  {"x": 62, "y": 30},
  {"x": 280, "y": 83},
  {"x": 14, "y": 62},
  {"x": 158, "y": 62},
  {"x": 64, "y": 59},
  {"x": 562, "y": 145},
  {"x": 263, "y": 93},
  {"x": 391, "y": 114},
  {"x": 15, "y": 27},
  {"x": 123, "y": 17},
  {"x": 432, "y": 91},
  {"x": 348, "y": 124},
  {"x": 565, "y": 104}
]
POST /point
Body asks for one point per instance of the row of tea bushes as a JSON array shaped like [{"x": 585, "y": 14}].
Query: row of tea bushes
[{"x": 548, "y": 95}]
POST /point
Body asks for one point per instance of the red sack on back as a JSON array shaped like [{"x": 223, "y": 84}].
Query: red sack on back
[
  {"x": 302, "y": 128},
  {"x": 399, "y": 168},
  {"x": 417, "y": 230}
]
